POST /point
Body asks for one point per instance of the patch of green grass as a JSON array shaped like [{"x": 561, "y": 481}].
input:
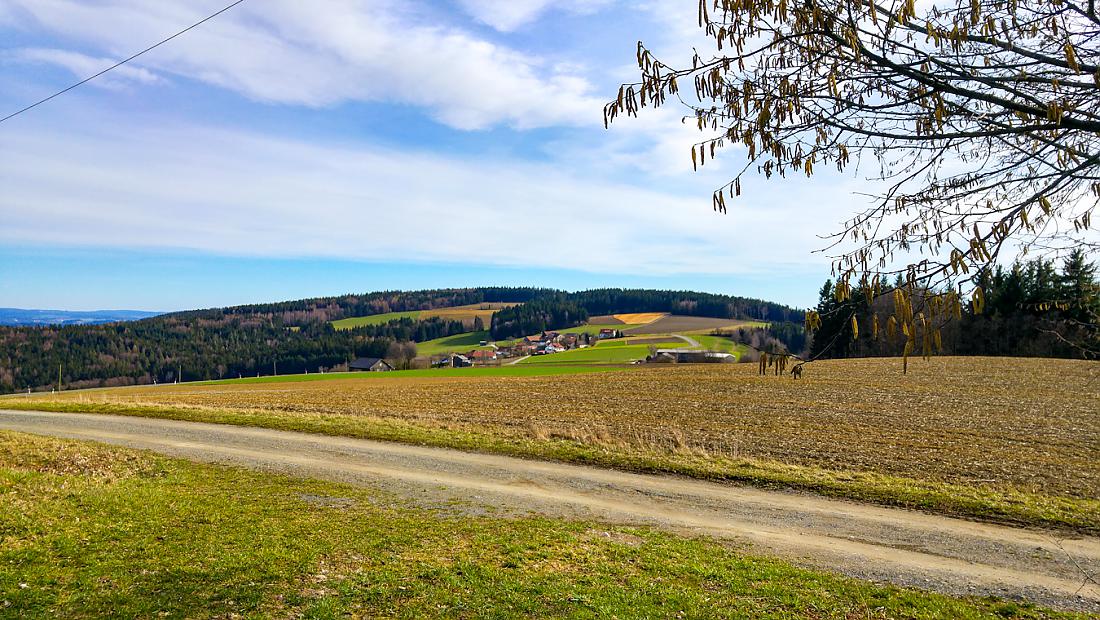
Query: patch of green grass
[
  {"x": 720, "y": 343},
  {"x": 601, "y": 354},
  {"x": 1000, "y": 504},
  {"x": 673, "y": 343},
  {"x": 740, "y": 325},
  {"x": 459, "y": 343},
  {"x": 375, "y": 319},
  {"x": 176, "y": 539}
]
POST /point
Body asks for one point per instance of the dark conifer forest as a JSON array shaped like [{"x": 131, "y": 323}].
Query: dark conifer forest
[{"x": 1033, "y": 309}]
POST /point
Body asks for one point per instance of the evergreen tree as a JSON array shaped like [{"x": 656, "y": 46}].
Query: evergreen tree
[
  {"x": 834, "y": 337},
  {"x": 1078, "y": 289}
]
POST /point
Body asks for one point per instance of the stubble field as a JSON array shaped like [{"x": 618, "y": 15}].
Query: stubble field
[{"x": 1032, "y": 425}]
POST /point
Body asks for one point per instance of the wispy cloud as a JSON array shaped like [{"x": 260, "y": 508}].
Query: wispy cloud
[
  {"x": 508, "y": 15},
  {"x": 571, "y": 197},
  {"x": 322, "y": 54},
  {"x": 236, "y": 193},
  {"x": 83, "y": 66}
]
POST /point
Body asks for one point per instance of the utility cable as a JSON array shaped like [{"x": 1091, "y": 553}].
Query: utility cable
[{"x": 120, "y": 63}]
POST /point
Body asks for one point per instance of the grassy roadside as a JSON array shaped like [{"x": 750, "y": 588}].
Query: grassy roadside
[
  {"x": 94, "y": 531},
  {"x": 996, "y": 504}
]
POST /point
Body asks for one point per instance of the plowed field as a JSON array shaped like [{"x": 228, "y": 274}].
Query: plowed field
[
  {"x": 675, "y": 323},
  {"x": 1031, "y": 424}
]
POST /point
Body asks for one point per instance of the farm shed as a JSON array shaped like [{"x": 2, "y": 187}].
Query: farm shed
[
  {"x": 370, "y": 364},
  {"x": 680, "y": 356}
]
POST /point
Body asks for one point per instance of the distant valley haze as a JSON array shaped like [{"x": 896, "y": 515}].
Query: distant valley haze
[{"x": 21, "y": 317}]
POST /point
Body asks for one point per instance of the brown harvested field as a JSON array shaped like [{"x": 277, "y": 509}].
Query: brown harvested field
[
  {"x": 606, "y": 319},
  {"x": 1029, "y": 424},
  {"x": 675, "y": 323}
]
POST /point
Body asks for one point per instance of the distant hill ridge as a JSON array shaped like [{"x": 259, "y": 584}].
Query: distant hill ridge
[
  {"x": 595, "y": 301},
  {"x": 32, "y": 316},
  {"x": 298, "y": 336}
]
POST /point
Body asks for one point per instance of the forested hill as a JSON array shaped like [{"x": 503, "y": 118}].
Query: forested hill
[
  {"x": 297, "y": 336},
  {"x": 690, "y": 303},
  {"x": 569, "y": 309}
]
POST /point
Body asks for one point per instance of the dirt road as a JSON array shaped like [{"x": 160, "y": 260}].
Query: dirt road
[
  {"x": 882, "y": 544},
  {"x": 691, "y": 342}
]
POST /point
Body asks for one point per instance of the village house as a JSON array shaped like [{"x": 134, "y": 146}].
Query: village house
[
  {"x": 552, "y": 347},
  {"x": 522, "y": 348},
  {"x": 482, "y": 356}
]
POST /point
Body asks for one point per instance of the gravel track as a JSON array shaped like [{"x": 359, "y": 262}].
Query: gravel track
[{"x": 907, "y": 548}]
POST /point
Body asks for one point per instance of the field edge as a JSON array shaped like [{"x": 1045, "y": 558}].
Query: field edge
[{"x": 1002, "y": 505}]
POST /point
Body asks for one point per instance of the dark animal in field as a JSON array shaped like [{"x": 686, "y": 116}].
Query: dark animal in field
[{"x": 796, "y": 372}]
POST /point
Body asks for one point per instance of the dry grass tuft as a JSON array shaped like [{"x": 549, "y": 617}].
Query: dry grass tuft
[{"x": 67, "y": 458}]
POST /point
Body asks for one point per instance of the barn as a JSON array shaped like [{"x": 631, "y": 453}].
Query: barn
[{"x": 370, "y": 364}]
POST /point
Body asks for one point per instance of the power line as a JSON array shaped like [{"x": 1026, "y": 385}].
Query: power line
[{"x": 122, "y": 62}]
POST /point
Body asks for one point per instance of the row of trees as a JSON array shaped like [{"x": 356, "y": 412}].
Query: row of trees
[
  {"x": 414, "y": 330},
  {"x": 326, "y": 309},
  {"x": 1036, "y": 308},
  {"x": 535, "y": 317},
  {"x": 615, "y": 301}
]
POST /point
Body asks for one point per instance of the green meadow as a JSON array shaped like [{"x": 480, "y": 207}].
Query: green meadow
[
  {"x": 375, "y": 319},
  {"x": 91, "y": 531},
  {"x": 459, "y": 343},
  {"x": 615, "y": 354},
  {"x": 720, "y": 343}
]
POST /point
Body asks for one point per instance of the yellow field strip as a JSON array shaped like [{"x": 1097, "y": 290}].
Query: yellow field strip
[{"x": 640, "y": 318}]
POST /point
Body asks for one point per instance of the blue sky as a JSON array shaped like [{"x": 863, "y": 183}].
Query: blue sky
[{"x": 292, "y": 149}]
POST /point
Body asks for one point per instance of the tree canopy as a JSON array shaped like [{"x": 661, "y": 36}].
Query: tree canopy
[{"x": 979, "y": 120}]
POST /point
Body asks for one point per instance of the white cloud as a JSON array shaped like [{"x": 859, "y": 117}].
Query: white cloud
[
  {"x": 83, "y": 66},
  {"x": 311, "y": 54},
  {"x": 223, "y": 192},
  {"x": 229, "y": 192},
  {"x": 508, "y": 15}
]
